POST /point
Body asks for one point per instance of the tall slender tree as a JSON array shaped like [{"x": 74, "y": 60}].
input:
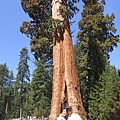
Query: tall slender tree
[
  {"x": 22, "y": 78},
  {"x": 6, "y": 87},
  {"x": 8, "y": 91},
  {"x": 4, "y": 73},
  {"x": 40, "y": 90},
  {"x": 96, "y": 39},
  {"x": 10, "y": 98}
]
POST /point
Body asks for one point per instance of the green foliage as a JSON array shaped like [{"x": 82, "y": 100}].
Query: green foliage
[
  {"x": 39, "y": 28},
  {"x": 95, "y": 40},
  {"x": 68, "y": 9},
  {"x": 22, "y": 78},
  {"x": 104, "y": 101},
  {"x": 94, "y": 25},
  {"x": 40, "y": 12},
  {"x": 39, "y": 97},
  {"x": 103, "y": 96},
  {"x": 4, "y": 73},
  {"x": 6, "y": 91},
  {"x": 42, "y": 26}
]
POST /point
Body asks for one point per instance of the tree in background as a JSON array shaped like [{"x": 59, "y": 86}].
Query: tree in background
[
  {"x": 4, "y": 73},
  {"x": 8, "y": 95},
  {"x": 22, "y": 79},
  {"x": 95, "y": 40},
  {"x": 6, "y": 91},
  {"x": 11, "y": 97},
  {"x": 105, "y": 103},
  {"x": 40, "y": 91}
]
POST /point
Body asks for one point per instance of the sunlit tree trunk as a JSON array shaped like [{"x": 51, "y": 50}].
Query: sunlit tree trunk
[
  {"x": 58, "y": 68},
  {"x": 6, "y": 109},
  {"x": 71, "y": 77},
  {"x": 20, "y": 111},
  {"x": 66, "y": 90}
]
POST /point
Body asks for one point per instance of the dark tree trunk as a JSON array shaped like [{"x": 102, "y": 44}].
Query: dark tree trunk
[{"x": 0, "y": 100}]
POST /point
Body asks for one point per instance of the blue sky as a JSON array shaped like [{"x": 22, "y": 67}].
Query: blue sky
[{"x": 12, "y": 41}]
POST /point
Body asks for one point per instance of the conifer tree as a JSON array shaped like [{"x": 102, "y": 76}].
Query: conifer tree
[
  {"x": 95, "y": 40},
  {"x": 4, "y": 73},
  {"x": 104, "y": 104},
  {"x": 22, "y": 79},
  {"x": 8, "y": 91},
  {"x": 6, "y": 87},
  {"x": 10, "y": 98},
  {"x": 39, "y": 29},
  {"x": 40, "y": 91}
]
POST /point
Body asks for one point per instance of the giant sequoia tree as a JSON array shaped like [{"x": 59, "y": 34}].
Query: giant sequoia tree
[
  {"x": 65, "y": 80},
  {"x": 48, "y": 25}
]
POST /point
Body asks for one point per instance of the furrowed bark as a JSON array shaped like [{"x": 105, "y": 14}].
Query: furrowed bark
[
  {"x": 66, "y": 90},
  {"x": 71, "y": 76},
  {"x": 58, "y": 68}
]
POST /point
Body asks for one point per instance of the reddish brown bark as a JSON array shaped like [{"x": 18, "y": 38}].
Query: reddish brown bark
[
  {"x": 66, "y": 90},
  {"x": 57, "y": 79},
  {"x": 71, "y": 77}
]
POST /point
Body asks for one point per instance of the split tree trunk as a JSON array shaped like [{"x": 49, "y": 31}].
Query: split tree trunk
[{"x": 66, "y": 90}]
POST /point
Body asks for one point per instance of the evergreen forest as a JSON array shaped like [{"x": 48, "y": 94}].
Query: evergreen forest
[{"x": 30, "y": 93}]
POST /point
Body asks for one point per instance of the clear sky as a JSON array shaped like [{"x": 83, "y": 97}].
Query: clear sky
[{"x": 12, "y": 41}]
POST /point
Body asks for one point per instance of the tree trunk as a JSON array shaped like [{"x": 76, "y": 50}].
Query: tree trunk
[
  {"x": 71, "y": 77},
  {"x": 66, "y": 90},
  {"x": 6, "y": 109},
  {"x": 0, "y": 92},
  {"x": 0, "y": 100},
  {"x": 20, "y": 111}
]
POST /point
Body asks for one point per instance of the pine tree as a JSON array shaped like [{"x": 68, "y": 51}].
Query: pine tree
[
  {"x": 22, "y": 79},
  {"x": 95, "y": 40},
  {"x": 40, "y": 91},
  {"x": 4, "y": 73},
  {"x": 11, "y": 98},
  {"x": 105, "y": 105},
  {"x": 6, "y": 88}
]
